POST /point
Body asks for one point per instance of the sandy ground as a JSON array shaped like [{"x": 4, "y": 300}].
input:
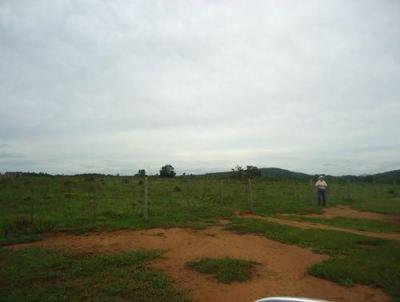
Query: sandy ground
[{"x": 282, "y": 268}]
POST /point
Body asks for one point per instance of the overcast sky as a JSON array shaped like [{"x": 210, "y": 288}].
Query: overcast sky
[{"x": 114, "y": 86}]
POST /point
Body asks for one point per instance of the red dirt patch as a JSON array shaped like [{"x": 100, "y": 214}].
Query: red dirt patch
[
  {"x": 346, "y": 211},
  {"x": 282, "y": 269},
  {"x": 313, "y": 225}
]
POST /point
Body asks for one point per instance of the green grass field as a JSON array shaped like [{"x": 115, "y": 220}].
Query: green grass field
[
  {"x": 32, "y": 206},
  {"x": 38, "y": 275}
]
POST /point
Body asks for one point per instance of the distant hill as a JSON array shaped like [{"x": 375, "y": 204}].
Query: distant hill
[
  {"x": 269, "y": 172},
  {"x": 387, "y": 177},
  {"x": 282, "y": 173}
]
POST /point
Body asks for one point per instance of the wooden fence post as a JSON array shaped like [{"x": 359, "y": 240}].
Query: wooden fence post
[
  {"x": 146, "y": 201},
  {"x": 249, "y": 195}
]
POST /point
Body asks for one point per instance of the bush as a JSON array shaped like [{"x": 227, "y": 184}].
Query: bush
[
  {"x": 225, "y": 270},
  {"x": 177, "y": 189}
]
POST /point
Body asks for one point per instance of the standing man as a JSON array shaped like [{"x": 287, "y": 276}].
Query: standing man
[{"x": 321, "y": 186}]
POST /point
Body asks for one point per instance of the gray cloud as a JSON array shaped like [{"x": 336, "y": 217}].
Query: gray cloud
[
  {"x": 117, "y": 86},
  {"x": 8, "y": 155}
]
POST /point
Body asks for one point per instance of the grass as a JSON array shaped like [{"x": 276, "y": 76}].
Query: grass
[
  {"x": 351, "y": 223},
  {"x": 35, "y": 274},
  {"x": 33, "y": 205},
  {"x": 389, "y": 205},
  {"x": 355, "y": 259},
  {"x": 20, "y": 239},
  {"x": 225, "y": 270}
]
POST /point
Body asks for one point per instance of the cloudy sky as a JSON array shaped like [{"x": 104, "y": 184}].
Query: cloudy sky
[{"x": 114, "y": 86}]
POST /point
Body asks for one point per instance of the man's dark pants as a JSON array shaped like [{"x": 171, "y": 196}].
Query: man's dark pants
[{"x": 321, "y": 197}]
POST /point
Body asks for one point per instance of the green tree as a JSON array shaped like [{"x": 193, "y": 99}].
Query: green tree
[
  {"x": 237, "y": 172},
  {"x": 141, "y": 172},
  {"x": 167, "y": 171},
  {"x": 252, "y": 172}
]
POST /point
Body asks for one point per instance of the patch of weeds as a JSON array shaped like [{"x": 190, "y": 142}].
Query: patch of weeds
[
  {"x": 35, "y": 274},
  {"x": 20, "y": 225},
  {"x": 327, "y": 270},
  {"x": 177, "y": 189},
  {"x": 68, "y": 182},
  {"x": 391, "y": 191},
  {"x": 225, "y": 270},
  {"x": 371, "y": 242},
  {"x": 112, "y": 214}
]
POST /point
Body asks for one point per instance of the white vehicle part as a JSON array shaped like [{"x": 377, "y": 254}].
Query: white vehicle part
[{"x": 288, "y": 299}]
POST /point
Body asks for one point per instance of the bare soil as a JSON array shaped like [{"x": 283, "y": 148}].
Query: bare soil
[
  {"x": 282, "y": 269},
  {"x": 346, "y": 211}
]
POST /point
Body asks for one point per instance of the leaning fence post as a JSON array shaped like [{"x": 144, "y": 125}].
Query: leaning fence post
[
  {"x": 249, "y": 197},
  {"x": 146, "y": 201}
]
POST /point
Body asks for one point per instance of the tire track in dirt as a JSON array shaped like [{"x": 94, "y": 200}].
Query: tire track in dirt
[
  {"x": 282, "y": 269},
  {"x": 348, "y": 212},
  {"x": 313, "y": 225}
]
